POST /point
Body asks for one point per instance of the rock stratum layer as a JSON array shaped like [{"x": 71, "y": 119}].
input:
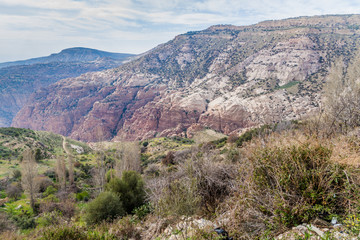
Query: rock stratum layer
[{"x": 226, "y": 78}]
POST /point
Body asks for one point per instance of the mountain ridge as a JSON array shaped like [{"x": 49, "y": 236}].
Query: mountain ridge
[
  {"x": 75, "y": 54},
  {"x": 225, "y": 77}
]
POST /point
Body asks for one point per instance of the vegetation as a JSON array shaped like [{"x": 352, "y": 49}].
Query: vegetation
[
  {"x": 257, "y": 185},
  {"x": 106, "y": 206}
]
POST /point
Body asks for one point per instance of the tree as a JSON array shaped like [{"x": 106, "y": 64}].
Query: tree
[
  {"x": 61, "y": 172},
  {"x": 71, "y": 170},
  {"x": 128, "y": 155},
  {"x": 342, "y": 96},
  {"x": 29, "y": 174},
  {"x": 130, "y": 189},
  {"x": 100, "y": 171}
]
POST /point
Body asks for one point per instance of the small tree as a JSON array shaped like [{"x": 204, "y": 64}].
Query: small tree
[
  {"x": 100, "y": 171},
  {"x": 29, "y": 174},
  {"x": 71, "y": 171},
  {"x": 61, "y": 172}
]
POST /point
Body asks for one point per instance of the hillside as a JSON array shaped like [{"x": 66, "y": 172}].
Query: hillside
[
  {"x": 225, "y": 78},
  {"x": 47, "y": 146},
  {"x": 18, "y": 80}
]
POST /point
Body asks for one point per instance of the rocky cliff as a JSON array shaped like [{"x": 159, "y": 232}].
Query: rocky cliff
[
  {"x": 225, "y": 78},
  {"x": 18, "y": 80}
]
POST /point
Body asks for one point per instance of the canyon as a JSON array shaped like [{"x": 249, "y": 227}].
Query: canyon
[{"x": 226, "y": 78}]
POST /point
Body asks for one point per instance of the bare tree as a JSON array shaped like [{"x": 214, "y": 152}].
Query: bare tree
[
  {"x": 71, "y": 170},
  {"x": 342, "y": 96},
  {"x": 29, "y": 174},
  {"x": 61, "y": 172},
  {"x": 100, "y": 171},
  {"x": 128, "y": 157},
  {"x": 70, "y": 162}
]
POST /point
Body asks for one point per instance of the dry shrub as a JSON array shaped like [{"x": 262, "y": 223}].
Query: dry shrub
[
  {"x": 66, "y": 207},
  {"x": 288, "y": 180},
  {"x": 5, "y": 223},
  {"x": 193, "y": 186},
  {"x": 232, "y": 138},
  {"x": 44, "y": 183},
  {"x": 10, "y": 235},
  {"x": 14, "y": 190},
  {"x": 346, "y": 150},
  {"x": 168, "y": 159},
  {"x": 125, "y": 228}
]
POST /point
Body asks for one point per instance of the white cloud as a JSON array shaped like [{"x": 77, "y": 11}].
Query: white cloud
[{"x": 119, "y": 25}]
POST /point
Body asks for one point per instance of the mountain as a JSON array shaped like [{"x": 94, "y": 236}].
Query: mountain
[
  {"x": 77, "y": 54},
  {"x": 18, "y": 80},
  {"x": 226, "y": 78}
]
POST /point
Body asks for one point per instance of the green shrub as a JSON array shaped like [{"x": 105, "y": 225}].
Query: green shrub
[
  {"x": 106, "y": 206},
  {"x": 24, "y": 220},
  {"x": 130, "y": 188},
  {"x": 16, "y": 174},
  {"x": 48, "y": 219},
  {"x": 82, "y": 196},
  {"x": 49, "y": 190},
  {"x": 142, "y": 211},
  {"x": 110, "y": 174}
]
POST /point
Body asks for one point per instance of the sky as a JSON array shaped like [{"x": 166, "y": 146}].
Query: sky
[{"x": 34, "y": 28}]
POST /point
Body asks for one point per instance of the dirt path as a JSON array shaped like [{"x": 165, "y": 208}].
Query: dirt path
[{"x": 64, "y": 146}]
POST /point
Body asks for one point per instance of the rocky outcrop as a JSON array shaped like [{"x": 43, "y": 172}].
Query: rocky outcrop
[{"x": 226, "y": 78}]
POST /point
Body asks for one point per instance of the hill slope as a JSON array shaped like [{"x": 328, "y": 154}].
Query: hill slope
[
  {"x": 18, "y": 80},
  {"x": 225, "y": 77}
]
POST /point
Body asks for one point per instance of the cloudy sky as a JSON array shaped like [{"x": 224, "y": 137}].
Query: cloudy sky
[{"x": 33, "y": 28}]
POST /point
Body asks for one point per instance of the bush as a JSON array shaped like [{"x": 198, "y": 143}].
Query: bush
[
  {"x": 82, "y": 196},
  {"x": 16, "y": 174},
  {"x": 48, "y": 219},
  {"x": 178, "y": 199},
  {"x": 250, "y": 134},
  {"x": 24, "y": 220},
  {"x": 64, "y": 232},
  {"x": 106, "y": 206},
  {"x": 5, "y": 223},
  {"x": 14, "y": 191},
  {"x": 294, "y": 183},
  {"x": 49, "y": 190},
  {"x": 130, "y": 188},
  {"x": 44, "y": 183},
  {"x": 168, "y": 159}
]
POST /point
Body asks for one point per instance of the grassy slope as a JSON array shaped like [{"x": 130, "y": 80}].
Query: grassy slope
[{"x": 13, "y": 141}]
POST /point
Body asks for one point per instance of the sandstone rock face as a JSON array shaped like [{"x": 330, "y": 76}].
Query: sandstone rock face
[{"x": 226, "y": 78}]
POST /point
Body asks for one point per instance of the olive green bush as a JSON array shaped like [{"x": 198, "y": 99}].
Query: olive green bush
[
  {"x": 106, "y": 206},
  {"x": 130, "y": 189}
]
